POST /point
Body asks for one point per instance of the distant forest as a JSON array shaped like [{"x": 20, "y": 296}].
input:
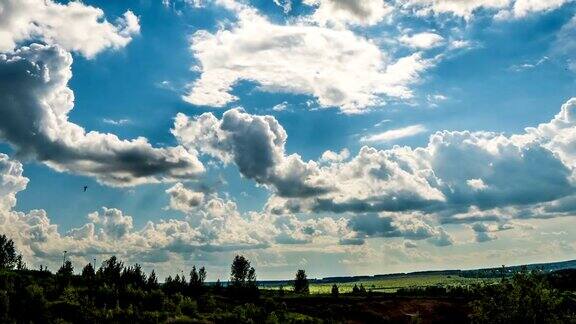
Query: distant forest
[{"x": 119, "y": 293}]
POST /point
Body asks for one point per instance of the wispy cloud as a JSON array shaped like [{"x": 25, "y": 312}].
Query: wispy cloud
[
  {"x": 394, "y": 134},
  {"x": 119, "y": 122}
]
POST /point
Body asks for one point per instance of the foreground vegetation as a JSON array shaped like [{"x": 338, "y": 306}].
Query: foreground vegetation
[{"x": 116, "y": 293}]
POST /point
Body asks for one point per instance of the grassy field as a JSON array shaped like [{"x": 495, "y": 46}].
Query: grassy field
[{"x": 391, "y": 284}]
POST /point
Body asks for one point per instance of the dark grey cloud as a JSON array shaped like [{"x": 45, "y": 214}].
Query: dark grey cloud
[{"x": 413, "y": 228}]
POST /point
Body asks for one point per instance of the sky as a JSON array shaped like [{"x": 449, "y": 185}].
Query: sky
[{"x": 337, "y": 136}]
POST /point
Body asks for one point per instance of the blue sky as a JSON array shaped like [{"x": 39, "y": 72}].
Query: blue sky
[{"x": 422, "y": 96}]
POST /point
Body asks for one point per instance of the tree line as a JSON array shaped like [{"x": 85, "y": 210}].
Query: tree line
[
  {"x": 115, "y": 292},
  {"x": 119, "y": 293}
]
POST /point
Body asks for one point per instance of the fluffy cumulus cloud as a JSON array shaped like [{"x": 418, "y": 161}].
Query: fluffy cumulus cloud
[
  {"x": 372, "y": 181},
  {"x": 360, "y": 12},
  {"x": 35, "y": 105},
  {"x": 183, "y": 199},
  {"x": 256, "y": 145},
  {"x": 336, "y": 66},
  {"x": 74, "y": 26},
  {"x": 454, "y": 173}
]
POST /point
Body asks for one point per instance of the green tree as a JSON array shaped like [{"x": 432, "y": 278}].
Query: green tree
[
  {"x": 301, "y": 285},
  {"x": 8, "y": 256},
  {"x": 239, "y": 271}
]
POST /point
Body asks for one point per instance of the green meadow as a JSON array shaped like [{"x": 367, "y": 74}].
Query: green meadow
[{"x": 391, "y": 284}]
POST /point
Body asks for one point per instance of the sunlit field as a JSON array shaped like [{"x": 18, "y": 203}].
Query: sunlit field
[{"x": 391, "y": 284}]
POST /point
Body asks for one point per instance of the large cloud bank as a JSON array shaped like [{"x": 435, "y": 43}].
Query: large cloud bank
[
  {"x": 336, "y": 66},
  {"x": 456, "y": 171}
]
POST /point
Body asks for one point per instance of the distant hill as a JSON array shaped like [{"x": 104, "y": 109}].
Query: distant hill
[{"x": 473, "y": 273}]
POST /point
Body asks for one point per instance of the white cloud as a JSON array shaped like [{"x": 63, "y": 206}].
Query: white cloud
[
  {"x": 183, "y": 199},
  {"x": 118, "y": 122},
  {"x": 425, "y": 40},
  {"x": 256, "y": 144},
  {"x": 503, "y": 9},
  {"x": 456, "y": 7},
  {"x": 281, "y": 106},
  {"x": 37, "y": 101},
  {"x": 454, "y": 172},
  {"x": 337, "y": 67},
  {"x": 361, "y": 12},
  {"x": 476, "y": 184},
  {"x": 215, "y": 225},
  {"x": 523, "y": 8},
  {"x": 394, "y": 134},
  {"x": 330, "y": 156},
  {"x": 74, "y": 26},
  {"x": 286, "y": 5}
]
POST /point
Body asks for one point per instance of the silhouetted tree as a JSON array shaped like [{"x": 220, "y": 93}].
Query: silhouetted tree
[
  {"x": 301, "y": 285},
  {"x": 152, "y": 282},
  {"x": 66, "y": 270},
  {"x": 20, "y": 264},
  {"x": 110, "y": 271},
  {"x": 239, "y": 271},
  {"x": 355, "y": 289},
  {"x": 64, "y": 274},
  {"x": 251, "y": 278},
  {"x": 202, "y": 275},
  {"x": 88, "y": 272},
  {"x": 335, "y": 291},
  {"x": 361, "y": 289},
  {"x": 8, "y": 256},
  {"x": 194, "y": 279},
  {"x": 218, "y": 286},
  {"x": 197, "y": 279},
  {"x": 133, "y": 276}
]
